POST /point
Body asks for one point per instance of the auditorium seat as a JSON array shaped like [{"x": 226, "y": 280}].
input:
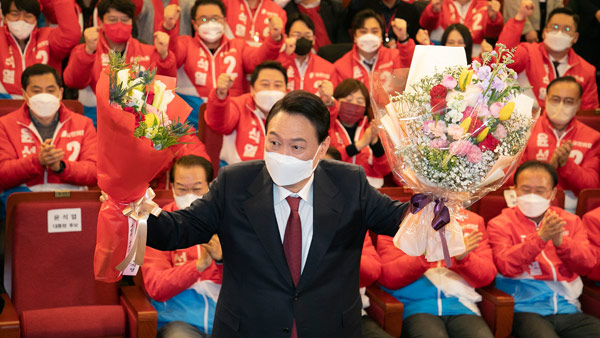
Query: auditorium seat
[
  {"x": 50, "y": 279},
  {"x": 212, "y": 140},
  {"x": 8, "y": 105},
  {"x": 491, "y": 205},
  {"x": 590, "y": 117},
  {"x": 588, "y": 200}
]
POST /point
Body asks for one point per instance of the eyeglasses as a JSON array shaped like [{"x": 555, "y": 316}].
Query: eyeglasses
[
  {"x": 16, "y": 15},
  {"x": 205, "y": 19},
  {"x": 565, "y": 29},
  {"x": 568, "y": 101},
  {"x": 298, "y": 35}
]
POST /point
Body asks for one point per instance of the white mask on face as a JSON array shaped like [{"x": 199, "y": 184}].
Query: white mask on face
[
  {"x": 185, "y": 200},
  {"x": 368, "y": 43},
  {"x": 20, "y": 29},
  {"x": 44, "y": 104},
  {"x": 532, "y": 205},
  {"x": 558, "y": 41},
  {"x": 211, "y": 31},
  {"x": 265, "y": 99},
  {"x": 559, "y": 113},
  {"x": 287, "y": 170}
]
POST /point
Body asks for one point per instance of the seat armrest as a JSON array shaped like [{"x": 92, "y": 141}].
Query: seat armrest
[
  {"x": 386, "y": 310},
  {"x": 10, "y": 327},
  {"x": 497, "y": 308},
  {"x": 590, "y": 298},
  {"x": 141, "y": 315}
]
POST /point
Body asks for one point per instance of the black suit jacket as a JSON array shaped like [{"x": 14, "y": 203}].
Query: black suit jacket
[
  {"x": 333, "y": 15},
  {"x": 258, "y": 297}
]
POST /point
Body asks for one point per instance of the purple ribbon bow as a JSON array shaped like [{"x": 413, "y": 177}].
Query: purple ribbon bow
[{"x": 441, "y": 217}]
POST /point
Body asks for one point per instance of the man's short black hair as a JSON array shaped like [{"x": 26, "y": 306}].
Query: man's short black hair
[
  {"x": 126, "y": 7},
  {"x": 39, "y": 69},
  {"x": 29, "y": 6},
  {"x": 300, "y": 102},
  {"x": 540, "y": 166},
  {"x": 334, "y": 153},
  {"x": 268, "y": 65},
  {"x": 299, "y": 17},
  {"x": 567, "y": 11},
  {"x": 199, "y": 3},
  {"x": 565, "y": 79},
  {"x": 359, "y": 19},
  {"x": 193, "y": 161}
]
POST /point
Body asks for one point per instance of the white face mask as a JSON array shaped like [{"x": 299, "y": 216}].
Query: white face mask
[
  {"x": 211, "y": 31},
  {"x": 44, "y": 104},
  {"x": 287, "y": 170},
  {"x": 185, "y": 200},
  {"x": 265, "y": 99},
  {"x": 368, "y": 43},
  {"x": 20, "y": 29},
  {"x": 532, "y": 205},
  {"x": 559, "y": 113},
  {"x": 558, "y": 41}
]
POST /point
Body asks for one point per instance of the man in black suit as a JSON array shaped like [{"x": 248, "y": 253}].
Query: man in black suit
[{"x": 291, "y": 265}]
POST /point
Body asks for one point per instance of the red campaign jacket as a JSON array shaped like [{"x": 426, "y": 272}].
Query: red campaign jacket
[
  {"x": 350, "y": 65},
  {"x": 168, "y": 273},
  {"x": 46, "y": 45},
  {"x": 249, "y": 25},
  {"x": 201, "y": 69},
  {"x": 533, "y": 59},
  {"x": 591, "y": 222},
  {"x": 242, "y": 126},
  {"x": 476, "y": 19},
  {"x": 20, "y": 144},
  {"x": 190, "y": 145},
  {"x": 376, "y": 167},
  {"x": 516, "y": 246},
  {"x": 145, "y": 54},
  {"x": 583, "y": 167},
  {"x": 370, "y": 263},
  {"x": 400, "y": 269},
  {"x": 317, "y": 70}
]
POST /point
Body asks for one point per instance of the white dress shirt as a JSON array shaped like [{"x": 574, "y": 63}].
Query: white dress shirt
[{"x": 305, "y": 210}]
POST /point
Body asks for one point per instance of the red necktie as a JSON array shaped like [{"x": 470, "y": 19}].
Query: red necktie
[{"x": 292, "y": 246}]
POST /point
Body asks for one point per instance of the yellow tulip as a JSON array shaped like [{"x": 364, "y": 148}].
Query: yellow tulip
[
  {"x": 465, "y": 78},
  {"x": 483, "y": 134},
  {"x": 150, "y": 120},
  {"x": 466, "y": 123},
  {"x": 159, "y": 92},
  {"x": 507, "y": 111}
]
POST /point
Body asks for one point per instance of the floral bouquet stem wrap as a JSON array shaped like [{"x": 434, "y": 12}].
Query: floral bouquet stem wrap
[
  {"x": 134, "y": 140},
  {"x": 456, "y": 133}
]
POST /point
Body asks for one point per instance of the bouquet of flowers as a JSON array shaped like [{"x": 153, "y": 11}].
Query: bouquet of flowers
[
  {"x": 139, "y": 129},
  {"x": 452, "y": 136}
]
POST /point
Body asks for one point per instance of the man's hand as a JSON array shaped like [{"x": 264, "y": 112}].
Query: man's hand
[
  {"x": 224, "y": 83},
  {"x": 161, "y": 43},
  {"x": 290, "y": 45},
  {"x": 49, "y": 156},
  {"x": 493, "y": 8},
  {"x": 598, "y": 15},
  {"x": 91, "y": 36},
  {"x": 399, "y": 28},
  {"x": 326, "y": 92},
  {"x": 436, "y": 5},
  {"x": 532, "y": 36},
  {"x": 423, "y": 37},
  {"x": 552, "y": 225},
  {"x": 214, "y": 248},
  {"x": 561, "y": 154},
  {"x": 276, "y": 28},
  {"x": 471, "y": 243},
  {"x": 204, "y": 260},
  {"x": 171, "y": 16},
  {"x": 525, "y": 11}
]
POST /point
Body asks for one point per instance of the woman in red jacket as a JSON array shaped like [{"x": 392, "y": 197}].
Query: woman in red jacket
[{"x": 353, "y": 135}]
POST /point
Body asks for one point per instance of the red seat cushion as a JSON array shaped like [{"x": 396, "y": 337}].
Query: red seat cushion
[{"x": 74, "y": 321}]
